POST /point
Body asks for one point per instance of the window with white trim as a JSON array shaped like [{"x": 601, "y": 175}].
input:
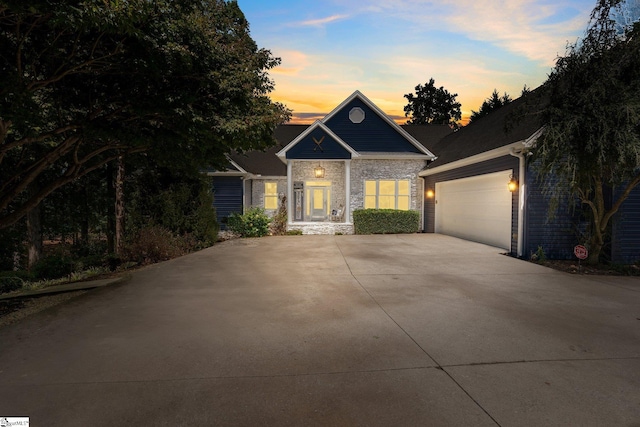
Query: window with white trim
[
  {"x": 271, "y": 195},
  {"x": 387, "y": 194}
]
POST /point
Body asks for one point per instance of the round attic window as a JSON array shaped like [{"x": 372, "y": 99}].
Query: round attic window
[{"x": 356, "y": 115}]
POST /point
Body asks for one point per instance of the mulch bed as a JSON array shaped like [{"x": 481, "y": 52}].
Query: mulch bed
[{"x": 574, "y": 267}]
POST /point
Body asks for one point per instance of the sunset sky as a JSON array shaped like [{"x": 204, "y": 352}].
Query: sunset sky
[{"x": 384, "y": 48}]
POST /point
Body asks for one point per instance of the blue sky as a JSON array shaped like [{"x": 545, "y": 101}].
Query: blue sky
[{"x": 384, "y": 48}]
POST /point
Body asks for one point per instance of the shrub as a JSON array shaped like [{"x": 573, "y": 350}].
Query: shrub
[
  {"x": 154, "y": 244},
  {"x": 13, "y": 280},
  {"x": 92, "y": 248},
  {"x": 539, "y": 256},
  {"x": 179, "y": 203},
  {"x": 253, "y": 223},
  {"x": 385, "y": 221},
  {"x": 279, "y": 223},
  {"x": 54, "y": 266}
]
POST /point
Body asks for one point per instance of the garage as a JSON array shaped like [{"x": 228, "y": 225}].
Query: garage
[{"x": 477, "y": 208}]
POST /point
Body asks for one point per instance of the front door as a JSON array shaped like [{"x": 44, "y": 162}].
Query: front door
[{"x": 317, "y": 203}]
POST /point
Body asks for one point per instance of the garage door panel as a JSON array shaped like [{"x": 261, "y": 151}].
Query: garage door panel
[{"x": 476, "y": 208}]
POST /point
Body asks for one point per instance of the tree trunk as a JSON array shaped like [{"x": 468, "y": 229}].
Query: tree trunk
[
  {"x": 34, "y": 232},
  {"x": 84, "y": 221},
  {"x": 595, "y": 248},
  {"x": 111, "y": 210},
  {"x": 119, "y": 188}
]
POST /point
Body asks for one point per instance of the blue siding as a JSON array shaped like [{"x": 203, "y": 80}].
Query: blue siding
[
  {"x": 374, "y": 134},
  {"x": 489, "y": 166},
  {"x": 227, "y": 197},
  {"x": 625, "y": 244},
  {"x": 558, "y": 232},
  {"x": 307, "y": 148}
]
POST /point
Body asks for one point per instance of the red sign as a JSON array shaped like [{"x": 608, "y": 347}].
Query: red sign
[{"x": 581, "y": 252}]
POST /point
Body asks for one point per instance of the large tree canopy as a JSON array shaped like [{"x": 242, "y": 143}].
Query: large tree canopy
[
  {"x": 85, "y": 81},
  {"x": 592, "y": 120},
  {"x": 431, "y": 104}
]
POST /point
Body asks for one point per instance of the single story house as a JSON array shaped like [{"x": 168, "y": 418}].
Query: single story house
[{"x": 357, "y": 157}]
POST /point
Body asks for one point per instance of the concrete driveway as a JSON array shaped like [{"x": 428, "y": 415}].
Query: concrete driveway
[{"x": 401, "y": 330}]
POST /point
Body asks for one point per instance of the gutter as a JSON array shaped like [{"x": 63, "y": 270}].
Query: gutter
[{"x": 521, "y": 197}]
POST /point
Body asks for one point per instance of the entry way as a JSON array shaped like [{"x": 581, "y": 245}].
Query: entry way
[
  {"x": 477, "y": 208},
  {"x": 318, "y": 197}
]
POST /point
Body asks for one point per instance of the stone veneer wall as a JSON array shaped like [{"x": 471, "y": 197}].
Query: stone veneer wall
[
  {"x": 322, "y": 228},
  {"x": 362, "y": 170},
  {"x": 334, "y": 171},
  {"x": 257, "y": 192}
]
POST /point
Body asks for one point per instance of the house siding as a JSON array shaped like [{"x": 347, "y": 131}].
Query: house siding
[
  {"x": 227, "y": 197},
  {"x": 362, "y": 170},
  {"x": 374, "y": 134},
  {"x": 556, "y": 234},
  {"x": 318, "y": 144},
  {"x": 625, "y": 231},
  {"x": 480, "y": 168}
]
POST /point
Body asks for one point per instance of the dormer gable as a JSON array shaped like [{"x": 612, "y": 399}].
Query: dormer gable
[{"x": 317, "y": 142}]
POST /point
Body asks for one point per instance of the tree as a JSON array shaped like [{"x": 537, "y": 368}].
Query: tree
[
  {"x": 490, "y": 104},
  {"x": 86, "y": 82},
  {"x": 591, "y": 115},
  {"x": 432, "y": 105}
]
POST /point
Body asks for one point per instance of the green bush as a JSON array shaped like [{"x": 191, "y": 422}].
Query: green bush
[
  {"x": 181, "y": 204},
  {"x": 13, "y": 280},
  {"x": 385, "y": 221},
  {"x": 54, "y": 266},
  {"x": 253, "y": 223}
]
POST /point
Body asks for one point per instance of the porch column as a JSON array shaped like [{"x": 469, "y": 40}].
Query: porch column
[
  {"x": 289, "y": 191},
  {"x": 347, "y": 184}
]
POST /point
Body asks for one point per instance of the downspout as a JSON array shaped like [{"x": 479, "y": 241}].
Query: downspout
[{"x": 521, "y": 198}]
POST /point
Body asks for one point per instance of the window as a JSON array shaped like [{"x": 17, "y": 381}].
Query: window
[
  {"x": 271, "y": 195},
  {"x": 387, "y": 194}
]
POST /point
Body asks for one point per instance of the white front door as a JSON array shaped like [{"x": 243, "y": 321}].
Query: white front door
[{"x": 317, "y": 203}]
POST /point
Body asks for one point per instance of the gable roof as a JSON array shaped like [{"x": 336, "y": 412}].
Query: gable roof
[
  {"x": 488, "y": 133},
  {"x": 306, "y": 145},
  {"x": 419, "y": 138},
  {"x": 376, "y": 133},
  {"x": 428, "y": 135},
  {"x": 264, "y": 163}
]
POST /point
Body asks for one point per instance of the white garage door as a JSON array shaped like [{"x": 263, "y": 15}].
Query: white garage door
[{"x": 476, "y": 208}]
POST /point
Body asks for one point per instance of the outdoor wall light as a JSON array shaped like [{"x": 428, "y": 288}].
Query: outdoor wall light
[
  {"x": 318, "y": 172},
  {"x": 513, "y": 184},
  {"x": 430, "y": 194}
]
